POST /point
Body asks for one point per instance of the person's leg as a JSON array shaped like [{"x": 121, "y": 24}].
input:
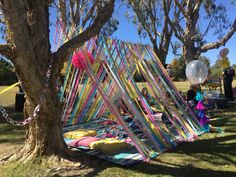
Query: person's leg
[
  {"x": 226, "y": 88},
  {"x": 231, "y": 95}
]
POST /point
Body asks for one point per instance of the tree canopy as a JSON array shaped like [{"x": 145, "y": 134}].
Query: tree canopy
[
  {"x": 150, "y": 21},
  {"x": 187, "y": 28}
]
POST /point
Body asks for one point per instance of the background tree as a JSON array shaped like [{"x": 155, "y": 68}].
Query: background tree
[
  {"x": 206, "y": 60},
  {"x": 187, "y": 28},
  {"x": 29, "y": 49},
  {"x": 7, "y": 74},
  {"x": 150, "y": 20},
  {"x": 178, "y": 68},
  {"x": 221, "y": 63},
  {"x": 216, "y": 69}
]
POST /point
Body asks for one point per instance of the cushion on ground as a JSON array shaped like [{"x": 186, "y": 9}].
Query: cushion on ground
[
  {"x": 109, "y": 145},
  {"x": 76, "y": 134},
  {"x": 85, "y": 141}
]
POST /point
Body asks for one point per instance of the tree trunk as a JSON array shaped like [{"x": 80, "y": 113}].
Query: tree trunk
[
  {"x": 189, "y": 52},
  {"x": 44, "y": 136},
  {"x": 29, "y": 23},
  {"x": 161, "y": 54}
]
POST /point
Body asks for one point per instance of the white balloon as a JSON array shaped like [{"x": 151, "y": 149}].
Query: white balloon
[{"x": 196, "y": 72}]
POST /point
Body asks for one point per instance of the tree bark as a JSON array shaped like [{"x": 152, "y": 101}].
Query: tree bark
[
  {"x": 7, "y": 51},
  {"x": 44, "y": 136},
  {"x": 189, "y": 52}
]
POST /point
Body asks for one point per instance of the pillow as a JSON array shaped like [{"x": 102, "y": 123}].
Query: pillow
[
  {"x": 76, "y": 134},
  {"x": 85, "y": 141},
  {"x": 109, "y": 145}
]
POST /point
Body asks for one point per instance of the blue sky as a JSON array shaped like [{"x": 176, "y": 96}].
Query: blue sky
[{"x": 128, "y": 32}]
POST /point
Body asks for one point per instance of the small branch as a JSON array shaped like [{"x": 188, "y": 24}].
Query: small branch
[
  {"x": 208, "y": 27},
  {"x": 222, "y": 41},
  {"x": 153, "y": 18},
  {"x": 72, "y": 13},
  {"x": 188, "y": 8},
  {"x": 90, "y": 32},
  {"x": 8, "y": 51},
  {"x": 197, "y": 6},
  {"x": 62, "y": 8},
  {"x": 89, "y": 14},
  {"x": 181, "y": 8},
  {"x": 179, "y": 28},
  {"x": 78, "y": 13},
  {"x": 148, "y": 30}
]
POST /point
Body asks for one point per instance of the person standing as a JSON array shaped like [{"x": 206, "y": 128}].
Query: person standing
[{"x": 228, "y": 75}]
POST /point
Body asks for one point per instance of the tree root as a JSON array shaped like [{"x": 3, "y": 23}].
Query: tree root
[
  {"x": 15, "y": 156},
  {"x": 5, "y": 159}
]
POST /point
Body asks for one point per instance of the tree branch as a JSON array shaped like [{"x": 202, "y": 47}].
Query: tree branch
[
  {"x": 78, "y": 13},
  {"x": 197, "y": 6},
  {"x": 62, "y": 8},
  {"x": 72, "y": 13},
  {"x": 181, "y": 8},
  {"x": 222, "y": 41},
  {"x": 103, "y": 16},
  {"x": 172, "y": 25},
  {"x": 153, "y": 18},
  {"x": 166, "y": 33},
  {"x": 148, "y": 30},
  {"x": 189, "y": 8},
  {"x": 8, "y": 51},
  {"x": 89, "y": 14},
  {"x": 208, "y": 27}
]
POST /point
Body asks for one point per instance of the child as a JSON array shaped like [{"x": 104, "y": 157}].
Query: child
[
  {"x": 190, "y": 98},
  {"x": 146, "y": 95}
]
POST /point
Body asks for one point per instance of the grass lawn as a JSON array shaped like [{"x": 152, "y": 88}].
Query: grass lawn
[{"x": 213, "y": 154}]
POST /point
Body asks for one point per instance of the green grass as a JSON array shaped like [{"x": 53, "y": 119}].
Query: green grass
[
  {"x": 213, "y": 154},
  {"x": 10, "y": 132},
  {"x": 29, "y": 169}
]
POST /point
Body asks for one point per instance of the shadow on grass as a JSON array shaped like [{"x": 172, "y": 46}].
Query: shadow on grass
[
  {"x": 216, "y": 150},
  {"x": 201, "y": 150},
  {"x": 159, "y": 170},
  {"x": 213, "y": 145},
  {"x": 12, "y": 140}
]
